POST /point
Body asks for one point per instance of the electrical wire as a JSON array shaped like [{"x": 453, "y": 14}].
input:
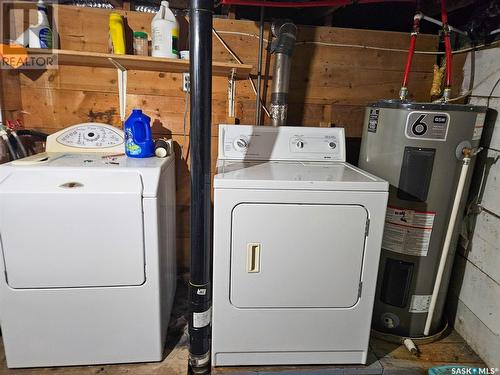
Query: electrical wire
[
  {"x": 474, "y": 207},
  {"x": 492, "y": 91},
  {"x": 216, "y": 33},
  {"x": 468, "y": 92},
  {"x": 186, "y": 108},
  {"x": 459, "y": 51},
  {"x": 252, "y": 84},
  {"x": 362, "y": 46}
]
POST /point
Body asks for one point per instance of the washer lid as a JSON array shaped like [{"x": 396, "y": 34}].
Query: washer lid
[
  {"x": 149, "y": 169},
  {"x": 295, "y": 175}
]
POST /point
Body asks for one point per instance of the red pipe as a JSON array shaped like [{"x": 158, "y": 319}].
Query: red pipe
[
  {"x": 444, "y": 15},
  {"x": 447, "y": 46},
  {"x": 411, "y": 51},
  {"x": 447, "y": 43},
  {"x": 307, "y": 4}
]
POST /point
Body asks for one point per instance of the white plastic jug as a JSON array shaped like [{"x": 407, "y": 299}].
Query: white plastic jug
[
  {"x": 40, "y": 35},
  {"x": 164, "y": 33}
]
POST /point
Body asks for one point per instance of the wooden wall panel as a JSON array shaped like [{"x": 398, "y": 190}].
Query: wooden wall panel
[
  {"x": 475, "y": 285},
  {"x": 329, "y": 83},
  {"x": 10, "y": 94}
]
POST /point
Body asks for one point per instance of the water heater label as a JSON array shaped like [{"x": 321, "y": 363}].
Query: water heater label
[
  {"x": 420, "y": 303},
  {"x": 478, "y": 127},
  {"x": 427, "y": 125},
  {"x": 408, "y": 231},
  {"x": 373, "y": 120}
]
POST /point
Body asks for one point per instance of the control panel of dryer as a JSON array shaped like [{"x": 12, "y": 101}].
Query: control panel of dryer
[{"x": 247, "y": 142}]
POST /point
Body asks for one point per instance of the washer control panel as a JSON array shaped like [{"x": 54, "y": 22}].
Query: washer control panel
[
  {"x": 247, "y": 142},
  {"x": 87, "y": 137}
]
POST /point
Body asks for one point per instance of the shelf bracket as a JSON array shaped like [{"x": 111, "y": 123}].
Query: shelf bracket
[
  {"x": 122, "y": 87},
  {"x": 231, "y": 92}
]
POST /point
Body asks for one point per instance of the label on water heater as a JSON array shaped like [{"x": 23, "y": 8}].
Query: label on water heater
[
  {"x": 407, "y": 231},
  {"x": 420, "y": 303},
  {"x": 432, "y": 126},
  {"x": 478, "y": 127},
  {"x": 373, "y": 120}
]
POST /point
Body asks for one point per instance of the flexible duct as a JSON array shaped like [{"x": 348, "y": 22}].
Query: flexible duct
[{"x": 286, "y": 36}]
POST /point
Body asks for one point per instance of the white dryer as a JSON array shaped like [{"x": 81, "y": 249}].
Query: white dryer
[
  {"x": 297, "y": 235},
  {"x": 88, "y": 252}
]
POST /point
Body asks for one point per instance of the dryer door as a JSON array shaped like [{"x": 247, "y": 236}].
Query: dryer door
[
  {"x": 72, "y": 228},
  {"x": 283, "y": 255}
]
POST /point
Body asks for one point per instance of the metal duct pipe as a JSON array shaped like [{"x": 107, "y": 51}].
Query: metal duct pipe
[
  {"x": 200, "y": 301},
  {"x": 286, "y": 35}
]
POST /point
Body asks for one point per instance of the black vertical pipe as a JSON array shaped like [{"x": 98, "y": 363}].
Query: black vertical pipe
[
  {"x": 200, "y": 36},
  {"x": 258, "y": 103}
]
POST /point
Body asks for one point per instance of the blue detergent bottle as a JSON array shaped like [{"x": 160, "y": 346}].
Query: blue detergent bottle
[{"x": 138, "y": 139}]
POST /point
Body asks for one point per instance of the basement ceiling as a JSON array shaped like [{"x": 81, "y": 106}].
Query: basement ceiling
[{"x": 476, "y": 16}]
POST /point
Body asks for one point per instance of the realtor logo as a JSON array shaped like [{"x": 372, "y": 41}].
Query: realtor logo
[{"x": 27, "y": 35}]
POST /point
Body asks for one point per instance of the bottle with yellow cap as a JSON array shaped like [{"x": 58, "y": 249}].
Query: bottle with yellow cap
[{"x": 116, "y": 34}]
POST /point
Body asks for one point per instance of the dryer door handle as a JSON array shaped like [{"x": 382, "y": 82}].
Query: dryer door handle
[{"x": 253, "y": 257}]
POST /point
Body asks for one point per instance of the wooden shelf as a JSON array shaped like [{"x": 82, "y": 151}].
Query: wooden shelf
[{"x": 133, "y": 62}]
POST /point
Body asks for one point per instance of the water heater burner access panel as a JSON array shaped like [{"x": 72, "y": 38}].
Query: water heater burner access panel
[{"x": 243, "y": 142}]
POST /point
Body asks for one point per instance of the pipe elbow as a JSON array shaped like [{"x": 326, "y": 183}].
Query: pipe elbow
[{"x": 285, "y": 33}]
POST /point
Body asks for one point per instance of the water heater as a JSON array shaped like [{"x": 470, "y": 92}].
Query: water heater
[{"x": 417, "y": 147}]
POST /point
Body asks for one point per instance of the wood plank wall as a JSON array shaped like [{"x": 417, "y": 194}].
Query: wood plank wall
[
  {"x": 474, "y": 293},
  {"x": 329, "y": 84}
]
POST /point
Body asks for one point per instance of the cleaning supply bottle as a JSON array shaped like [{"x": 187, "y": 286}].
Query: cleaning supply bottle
[
  {"x": 40, "y": 35},
  {"x": 165, "y": 33},
  {"x": 116, "y": 34},
  {"x": 138, "y": 139}
]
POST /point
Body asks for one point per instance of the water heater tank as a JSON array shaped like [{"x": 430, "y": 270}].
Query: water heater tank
[{"x": 417, "y": 148}]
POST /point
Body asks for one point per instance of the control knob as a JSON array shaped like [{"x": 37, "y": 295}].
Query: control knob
[{"x": 240, "y": 144}]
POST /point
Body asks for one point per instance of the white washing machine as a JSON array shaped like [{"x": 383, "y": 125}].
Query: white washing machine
[
  {"x": 296, "y": 248},
  {"x": 88, "y": 252}
]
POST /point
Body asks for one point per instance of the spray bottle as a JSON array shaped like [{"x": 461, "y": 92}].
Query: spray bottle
[
  {"x": 40, "y": 35},
  {"x": 164, "y": 33}
]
